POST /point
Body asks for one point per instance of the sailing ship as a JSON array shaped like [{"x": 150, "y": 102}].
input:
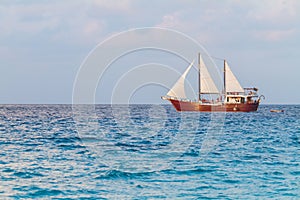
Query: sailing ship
[{"x": 232, "y": 98}]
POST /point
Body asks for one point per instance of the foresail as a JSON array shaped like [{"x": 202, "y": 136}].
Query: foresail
[
  {"x": 207, "y": 84},
  {"x": 178, "y": 89},
  {"x": 232, "y": 84}
]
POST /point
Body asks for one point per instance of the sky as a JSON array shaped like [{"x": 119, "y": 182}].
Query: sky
[{"x": 44, "y": 43}]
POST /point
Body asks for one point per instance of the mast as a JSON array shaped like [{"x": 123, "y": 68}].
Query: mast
[
  {"x": 199, "y": 78},
  {"x": 224, "y": 78}
]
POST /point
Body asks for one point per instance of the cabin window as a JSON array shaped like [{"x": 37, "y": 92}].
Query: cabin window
[
  {"x": 243, "y": 100},
  {"x": 227, "y": 99}
]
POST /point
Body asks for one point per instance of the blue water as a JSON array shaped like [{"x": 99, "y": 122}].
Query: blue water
[{"x": 148, "y": 152}]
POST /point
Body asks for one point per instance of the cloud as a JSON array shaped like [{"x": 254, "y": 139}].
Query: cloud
[
  {"x": 274, "y": 21},
  {"x": 232, "y": 21},
  {"x": 205, "y": 22},
  {"x": 170, "y": 21},
  {"x": 92, "y": 27},
  {"x": 276, "y": 11},
  {"x": 117, "y": 6},
  {"x": 79, "y": 21},
  {"x": 91, "y": 21},
  {"x": 275, "y": 35},
  {"x": 29, "y": 19}
]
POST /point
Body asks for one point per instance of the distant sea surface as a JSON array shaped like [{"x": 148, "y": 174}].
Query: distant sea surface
[{"x": 148, "y": 152}]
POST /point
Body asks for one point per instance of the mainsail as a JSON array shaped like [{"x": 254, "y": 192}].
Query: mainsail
[
  {"x": 178, "y": 89},
  {"x": 207, "y": 84},
  {"x": 231, "y": 82}
]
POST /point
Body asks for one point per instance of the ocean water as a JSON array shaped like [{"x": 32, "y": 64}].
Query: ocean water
[{"x": 148, "y": 152}]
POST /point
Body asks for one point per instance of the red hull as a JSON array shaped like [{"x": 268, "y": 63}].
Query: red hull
[{"x": 198, "y": 107}]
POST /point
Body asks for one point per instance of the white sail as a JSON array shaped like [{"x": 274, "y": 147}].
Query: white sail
[
  {"x": 231, "y": 82},
  {"x": 207, "y": 84},
  {"x": 178, "y": 89}
]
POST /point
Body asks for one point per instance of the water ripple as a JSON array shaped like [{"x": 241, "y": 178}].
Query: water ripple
[{"x": 147, "y": 156}]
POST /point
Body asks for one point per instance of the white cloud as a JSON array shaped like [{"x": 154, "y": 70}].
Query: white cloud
[
  {"x": 120, "y": 5},
  {"x": 233, "y": 20},
  {"x": 275, "y": 11},
  {"x": 274, "y": 35},
  {"x": 73, "y": 21},
  {"x": 275, "y": 20},
  {"x": 205, "y": 22},
  {"x": 87, "y": 22},
  {"x": 170, "y": 21},
  {"x": 93, "y": 26},
  {"x": 29, "y": 19}
]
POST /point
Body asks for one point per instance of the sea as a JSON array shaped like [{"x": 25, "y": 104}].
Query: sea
[{"x": 148, "y": 152}]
